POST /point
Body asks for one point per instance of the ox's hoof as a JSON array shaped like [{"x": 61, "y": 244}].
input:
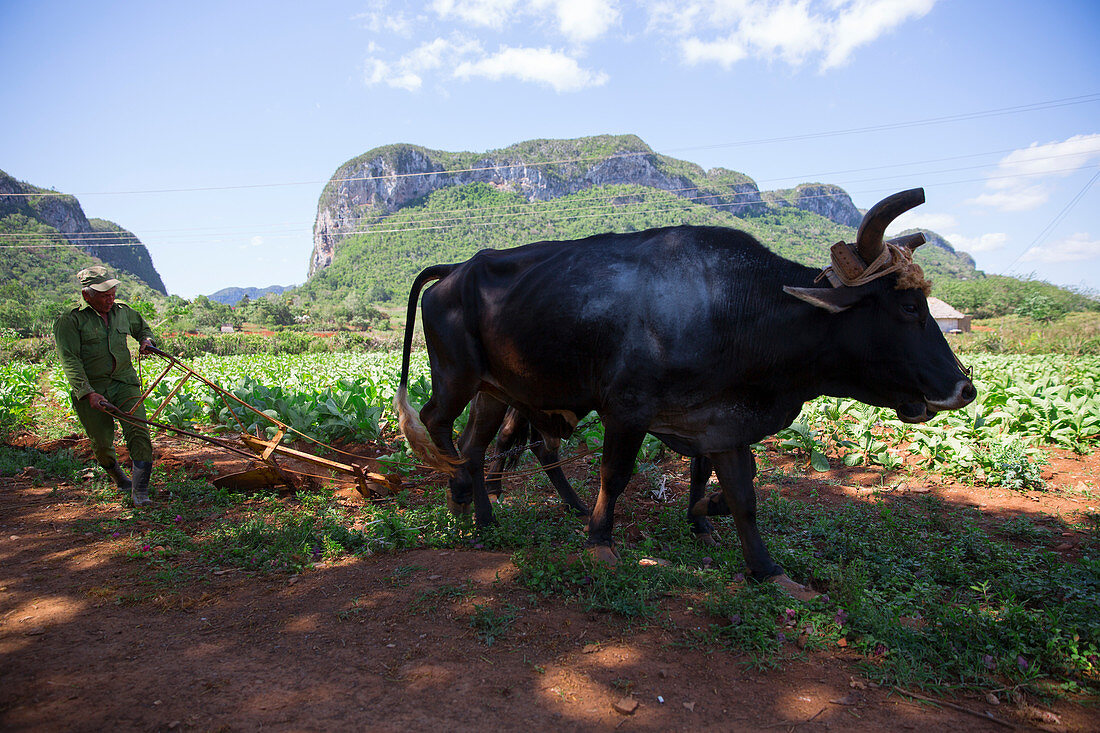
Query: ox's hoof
[
  {"x": 699, "y": 508},
  {"x": 706, "y": 539},
  {"x": 603, "y": 554},
  {"x": 795, "y": 590},
  {"x": 457, "y": 509}
]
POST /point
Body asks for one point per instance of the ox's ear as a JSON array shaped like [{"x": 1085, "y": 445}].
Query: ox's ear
[{"x": 833, "y": 300}]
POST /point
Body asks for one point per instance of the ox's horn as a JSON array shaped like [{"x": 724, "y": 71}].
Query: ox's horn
[
  {"x": 912, "y": 241},
  {"x": 871, "y": 229}
]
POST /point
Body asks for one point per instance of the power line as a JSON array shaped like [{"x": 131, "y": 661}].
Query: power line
[
  {"x": 89, "y": 237},
  {"x": 1001, "y": 111},
  {"x": 442, "y": 219},
  {"x": 1035, "y": 106},
  {"x": 1045, "y": 231}
]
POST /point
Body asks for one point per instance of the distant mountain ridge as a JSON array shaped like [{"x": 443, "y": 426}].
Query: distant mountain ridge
[
  {"x": 386, "y": 179},
  {"x": 62, "y": 214},
  {"x": 232, "y": 296},
  {"x": 390, "y": 212}
]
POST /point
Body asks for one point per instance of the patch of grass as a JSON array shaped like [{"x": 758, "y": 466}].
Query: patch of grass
[
  {"x": 60, "y": 464},
  {"x": 430, "y": 600},
  {"x": 1024, "y": 529},
  {"x": 491, "y": 623},
  {"x": 934, "y": 601},
  {"x": 629, "y": 590},
  {"x": 1014, "y": 466},
  {"x": 401, "y": 576}
]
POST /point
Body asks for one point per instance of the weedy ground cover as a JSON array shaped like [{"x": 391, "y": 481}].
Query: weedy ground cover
[
  {"x": 922, "y": 591},
  {"x": 927, "y": 594},
  {"x": 59, "y": 465}
]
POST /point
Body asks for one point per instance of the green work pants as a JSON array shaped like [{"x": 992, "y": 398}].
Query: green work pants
[{"x": 100, "y": 426}]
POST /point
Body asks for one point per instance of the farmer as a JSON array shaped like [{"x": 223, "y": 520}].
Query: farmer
[{"x": 91, "y": 340}]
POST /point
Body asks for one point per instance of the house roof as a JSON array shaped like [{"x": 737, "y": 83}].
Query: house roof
[{"x": 939, "y": 309}]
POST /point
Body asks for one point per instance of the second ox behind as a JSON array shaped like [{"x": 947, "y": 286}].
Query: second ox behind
[{"x": 700, "y": 336}]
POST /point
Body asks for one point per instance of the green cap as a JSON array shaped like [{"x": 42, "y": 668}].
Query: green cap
[{"x": 97, "y": 278}]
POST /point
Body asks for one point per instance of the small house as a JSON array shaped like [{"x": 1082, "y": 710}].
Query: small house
[{"x": 948, "y": 319}]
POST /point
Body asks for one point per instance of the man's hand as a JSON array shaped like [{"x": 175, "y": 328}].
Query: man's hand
[
  {"x": 100, "y": 402},
  {"x": 146, "y": 344}
]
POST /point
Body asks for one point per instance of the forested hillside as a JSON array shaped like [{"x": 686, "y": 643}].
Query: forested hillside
[
  {"x": 451, "y": 224},
  {"x": 41, "y": 220},
  {"x": 39, "y": 266},
  {"x": 387, "y": 214}
]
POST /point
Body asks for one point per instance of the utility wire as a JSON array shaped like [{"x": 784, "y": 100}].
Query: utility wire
[
  {"x": 470, "y": 216},
  {"x": 709, "y": 191},
  {"x": 1035, "y": 106},
  {"x": 1045, "y": 231}
]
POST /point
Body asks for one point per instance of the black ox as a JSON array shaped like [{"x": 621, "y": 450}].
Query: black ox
[{"x": 698, "y": 335}]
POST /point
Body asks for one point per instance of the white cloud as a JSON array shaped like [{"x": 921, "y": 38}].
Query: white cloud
[
  {"x": 539, "y": 65},
  {"x": 786, "y": 31},
  {"x": 377, "y": 71},
  {"x": 794, "y": 31},
  {"x": 485, "y": 13},
  {"x": 1074, "y": 248},
  {"x": 378, "y": 18},
  {"x": 1023, "y": 198},
  {"x": 581, "y": 21},
  {"x": 1057, "y": 158},
  {"x": 1017, "y": 184},
  {"x": 673, "y": 18},
  {"x": 408, "y": 71},
  {"x": 864, "y": 21},
  {"x": 917, "y": 219},
  {"x": 984, "y": 243},
  {"x": 257, "y": 241},
  {"x": 725, "y": 51}
]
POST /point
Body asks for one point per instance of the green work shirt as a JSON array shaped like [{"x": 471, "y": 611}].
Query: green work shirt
[{"x": 93, "y": 352}]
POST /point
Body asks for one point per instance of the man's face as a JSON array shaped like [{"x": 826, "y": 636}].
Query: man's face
[{"x": 101, "y": 302}]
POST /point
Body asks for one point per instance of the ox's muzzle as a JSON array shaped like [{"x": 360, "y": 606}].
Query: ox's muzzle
[{"x": 923, "y": 411}]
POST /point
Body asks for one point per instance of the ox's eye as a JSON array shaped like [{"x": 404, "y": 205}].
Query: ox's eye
[{"x": 909, "y": 309}]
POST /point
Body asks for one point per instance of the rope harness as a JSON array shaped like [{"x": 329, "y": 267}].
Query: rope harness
[{"x": 847, "y": 270}]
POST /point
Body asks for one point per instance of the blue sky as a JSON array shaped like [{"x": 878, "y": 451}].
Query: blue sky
[{"x": 210, "y": 128}]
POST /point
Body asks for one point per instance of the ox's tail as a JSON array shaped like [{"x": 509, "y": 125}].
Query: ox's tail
[{"x": 408, "y": 418}]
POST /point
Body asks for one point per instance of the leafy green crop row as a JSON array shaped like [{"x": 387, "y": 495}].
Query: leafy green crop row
[
  {"x": 1023, "y": 402},
  {"x": 18, "y": 387}
]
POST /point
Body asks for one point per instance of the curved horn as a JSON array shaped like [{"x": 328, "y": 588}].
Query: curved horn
[
  {"x": 912, "y": 241},
  {"x": 879, "y": 216}
]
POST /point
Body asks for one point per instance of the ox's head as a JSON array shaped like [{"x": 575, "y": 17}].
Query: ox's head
[{"x": 890, "y": 350}]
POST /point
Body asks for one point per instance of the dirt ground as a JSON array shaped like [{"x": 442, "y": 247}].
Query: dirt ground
[{"x": 351, "y": 644}]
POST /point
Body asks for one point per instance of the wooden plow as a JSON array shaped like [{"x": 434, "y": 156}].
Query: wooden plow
[{"x": 256, "y": 448}]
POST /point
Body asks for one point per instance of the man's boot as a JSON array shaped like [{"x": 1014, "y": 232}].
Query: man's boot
[
  {"x": 142, "y": 471},
  {"x": 119, "y": 476}
]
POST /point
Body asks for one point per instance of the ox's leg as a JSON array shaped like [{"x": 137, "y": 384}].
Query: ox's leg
[
  {"x": 620, "y": 450},
  {"x": 438, "y": 415},
  {"x": 546, "y": 450},
  {"x": 483, "y": 409},
  {"x": 701, "y": 469},
  {"x": 699, "y": 505},
  {"x": 480, "y": 429},
  {"x": 514, "y": 430},
  {"x": 736, "y": 470}
]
